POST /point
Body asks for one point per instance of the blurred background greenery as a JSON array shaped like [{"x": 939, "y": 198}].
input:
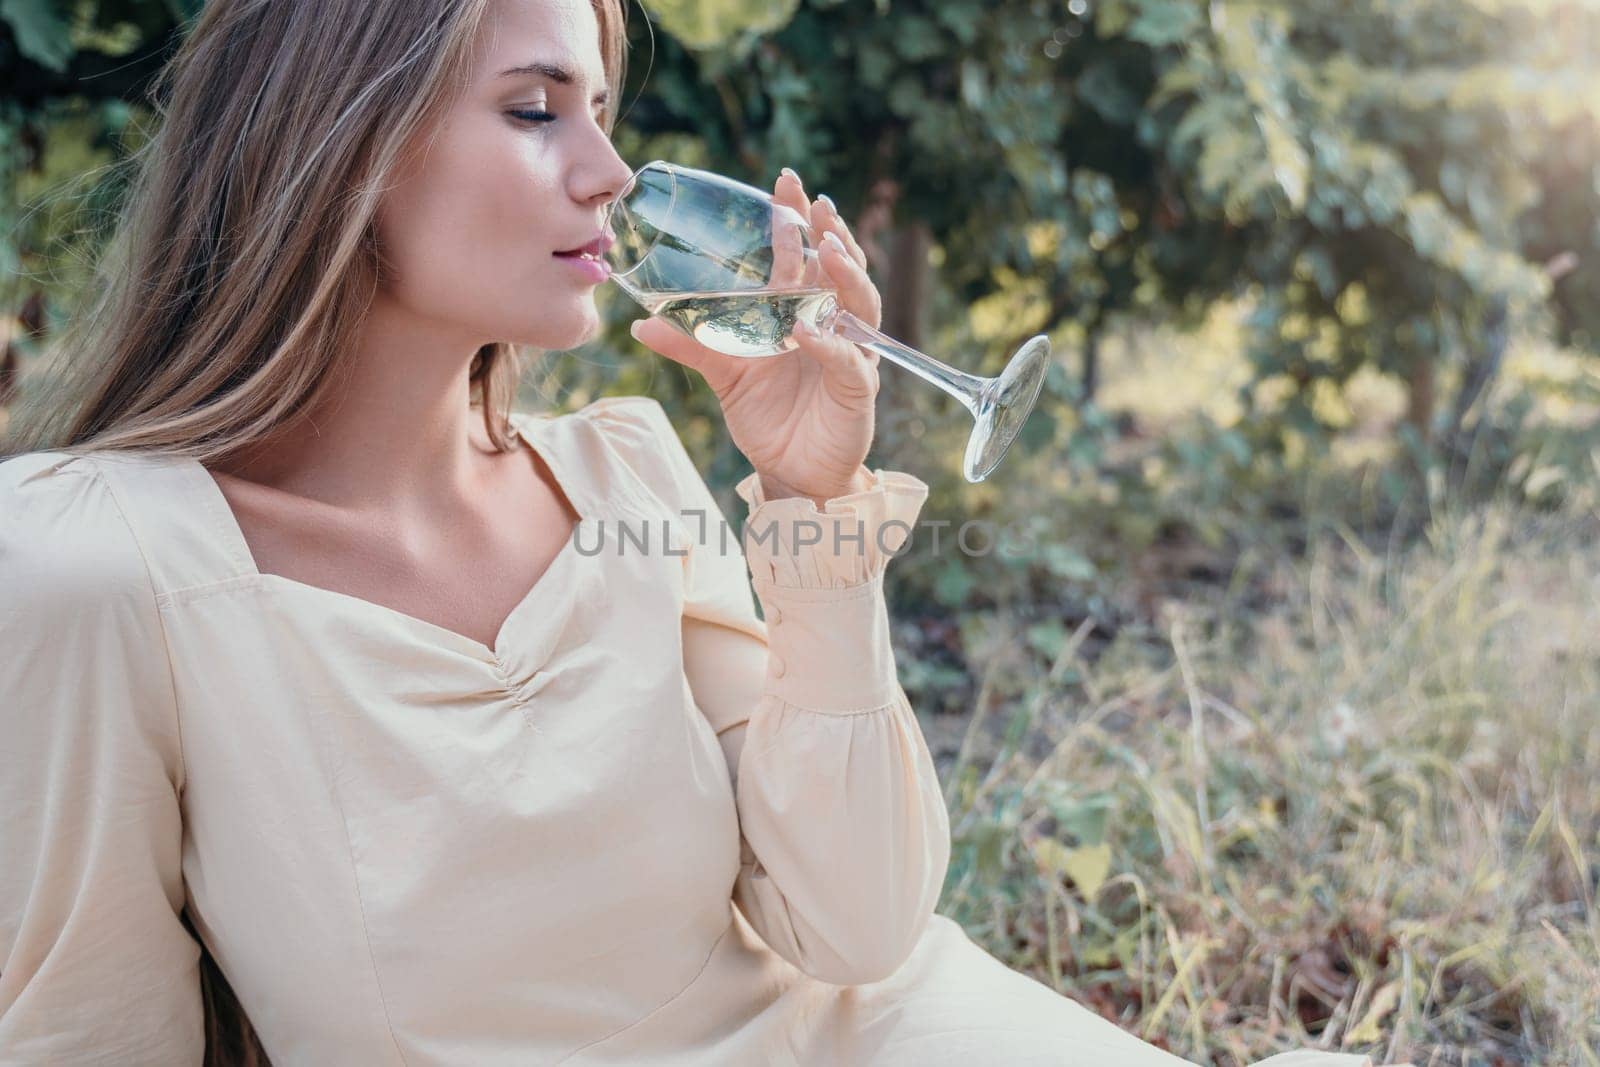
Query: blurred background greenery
[{"x": 1279, "y": 730}]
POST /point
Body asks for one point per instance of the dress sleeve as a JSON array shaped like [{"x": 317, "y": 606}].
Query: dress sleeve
[
  {"x": 845, "y": 839},
  {"x": 98, "y": 967}
]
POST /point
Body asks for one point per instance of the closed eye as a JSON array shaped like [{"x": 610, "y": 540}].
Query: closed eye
[{"x": 532, "y": 116}]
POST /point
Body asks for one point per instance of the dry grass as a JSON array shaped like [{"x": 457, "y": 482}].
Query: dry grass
[{"x": 1364, "y": 818}]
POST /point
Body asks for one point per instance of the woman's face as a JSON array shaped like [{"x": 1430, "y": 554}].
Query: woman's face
[{"x": 472, "y": 224}]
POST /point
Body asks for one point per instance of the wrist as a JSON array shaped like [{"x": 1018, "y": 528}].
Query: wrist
[{"x": 777, "y": 489}]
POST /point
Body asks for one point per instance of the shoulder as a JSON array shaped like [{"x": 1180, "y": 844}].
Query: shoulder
[
  {"x": 636, "y": 433},
  {"x": 65, "y": 545},
  {"x": 628, "y": 423},
  {"x": 82, "y": 649},
  {"x": 631, "y": 421}
]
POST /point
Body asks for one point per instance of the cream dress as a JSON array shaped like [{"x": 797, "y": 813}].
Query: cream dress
[{"x": 645, "y": 827}]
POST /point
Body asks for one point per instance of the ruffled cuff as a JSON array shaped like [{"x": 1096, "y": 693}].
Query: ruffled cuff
[
  {"x": 819, "y": 577},
  {"x": 789, "y": 543}
]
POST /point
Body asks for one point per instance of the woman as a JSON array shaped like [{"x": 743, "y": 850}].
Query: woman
[{"x": 338, "y": 724}]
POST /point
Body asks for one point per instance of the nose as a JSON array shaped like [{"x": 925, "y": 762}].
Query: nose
[
  {"x": 604, "y": 180},
  {"x": 617, "y": 176}
]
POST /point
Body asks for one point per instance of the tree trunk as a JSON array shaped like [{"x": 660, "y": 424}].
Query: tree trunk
[
  {"x": 905, "y": 295},
  {"x": 897, "y": 259},
  {"x": 1091, "y": 363}
]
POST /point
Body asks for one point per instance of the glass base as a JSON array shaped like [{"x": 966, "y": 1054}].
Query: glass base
[{"x": 1004, "y": 407}]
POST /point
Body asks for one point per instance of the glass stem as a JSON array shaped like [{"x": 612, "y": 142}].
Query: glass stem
[{"x": 967, "y": 388}]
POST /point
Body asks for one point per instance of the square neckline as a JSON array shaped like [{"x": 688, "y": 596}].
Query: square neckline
[{"x": 495, "y": 654}]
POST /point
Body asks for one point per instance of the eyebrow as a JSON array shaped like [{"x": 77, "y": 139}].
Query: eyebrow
[{"x": 556, "y": 73}]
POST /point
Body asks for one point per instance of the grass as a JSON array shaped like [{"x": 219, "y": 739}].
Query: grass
[
  {"x": 1364, "y": 819},
  {"x": 1343, "y": 799}
]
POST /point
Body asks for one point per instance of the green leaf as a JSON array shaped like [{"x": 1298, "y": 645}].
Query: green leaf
[
  {"x": 991, "y": 845},
  {"x": 1111, "y": 18},
  {"x": 1165, "y": 22},
  {"x": 907, "y": 96},
  {"x": 1064, "y": 561},
  {"x": 961, "y": 19},
  {"x": 876, "y": 64},
  {"x": 1187, "y": 76},
  {"x": 1100, "y": 88},
  {"x": 1370, "y": 1028},
  {"x": 974, "y": 84},
  {"x": 917, "y": 39},
  {"x": 1254, "y": 48},
  {"x": 953, "y": 583},
  {"x": 1082, "y": 818},
  {"x": 1237, "y": 448},
  {"x": 1087, "y": 866},
  {"x": 706, "y": 24},
  {"x": 1047, "y": 637},
  {"x": 42, "y": 34}
]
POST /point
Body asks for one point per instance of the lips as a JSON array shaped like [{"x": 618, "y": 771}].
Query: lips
[{"x": 594, "y": 249}]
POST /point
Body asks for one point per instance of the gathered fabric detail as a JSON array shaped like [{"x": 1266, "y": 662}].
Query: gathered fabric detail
[{"x": 790, "y": 542}]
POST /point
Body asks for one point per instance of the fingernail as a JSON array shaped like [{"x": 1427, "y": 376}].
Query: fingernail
[
  {"x": 824, "y": 199},
  {"x": 804, "y": 328},
  {"x": 791, "y": 173},
  {"x": 633, "y": 328},
  {"x": 833, "y": 239}
]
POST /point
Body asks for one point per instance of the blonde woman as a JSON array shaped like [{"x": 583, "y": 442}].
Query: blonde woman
[{"x": 335, "y": 723}]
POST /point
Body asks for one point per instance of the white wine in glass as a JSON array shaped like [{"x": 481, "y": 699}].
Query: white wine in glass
[
  {"x": 751, "y": 322},
  {"x": 732, "y": 268}
]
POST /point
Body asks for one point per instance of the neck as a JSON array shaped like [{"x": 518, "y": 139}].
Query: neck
[{"x": 397, "y": 433}]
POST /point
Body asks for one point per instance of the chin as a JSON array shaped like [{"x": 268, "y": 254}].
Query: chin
[{"x": 559, "y": 334}]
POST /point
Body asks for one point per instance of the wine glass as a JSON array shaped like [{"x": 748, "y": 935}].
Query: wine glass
[{"x": 732, "y": 268}]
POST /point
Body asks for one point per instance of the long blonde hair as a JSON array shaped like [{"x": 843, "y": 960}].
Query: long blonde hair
[{"x": 229, "y": 294}]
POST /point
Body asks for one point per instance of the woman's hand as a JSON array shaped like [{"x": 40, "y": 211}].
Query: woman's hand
[{"x": 804, "y": 419}]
